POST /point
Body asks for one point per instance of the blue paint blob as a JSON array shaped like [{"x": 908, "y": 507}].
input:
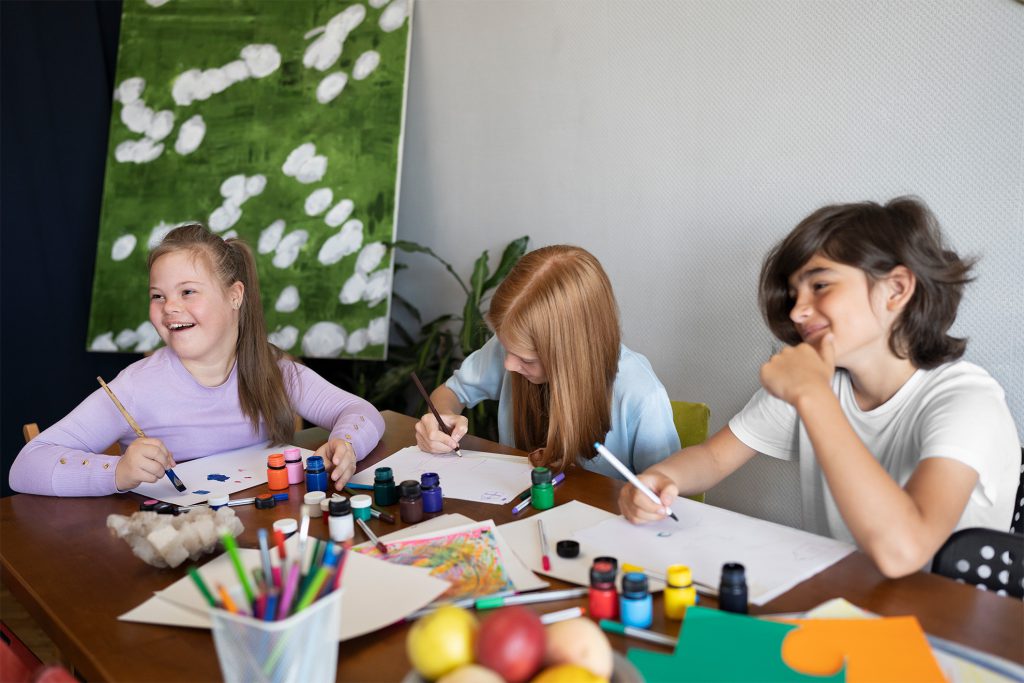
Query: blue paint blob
[
  {"x": 201, "y": 492},
  {"x": 217, "y": 477}
]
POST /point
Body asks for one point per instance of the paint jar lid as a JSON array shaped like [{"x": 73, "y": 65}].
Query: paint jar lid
[
  {"x": 148, "y": 505},
  {"x": 275, "y": 460},
  {"x": 602, "y": 572},
  {"x": 410, "y": 488},
  {"x": 360, "y": 501},
  {"x": 165, "y": 508},
  {"x": 567, "y": 548},
  {"x": 679, "y": 576},
  {"x": 429, "y": 479},
  {"x": 314, "y": 463},
  {"x": 634, "y": 583},
  {"x": 540, "y": 475},
  {"x": 339, "y": 506},
  {"x": 292, "y": 455},
  {"x": 609, "y": 559},
  {"x": 383, "y": 474},
  {"x": 286, "y": 526},
  {"x": 733, "y": 574},
  {"x": 313, "y": 497},
  {"x": 265, "y": 501},
  {"x": 217, "y": 501}
]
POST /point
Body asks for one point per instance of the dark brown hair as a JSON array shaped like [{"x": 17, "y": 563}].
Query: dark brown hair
[
  {"x": 876, "y": 239},
  {"x": 558, "y": 303},
  {"x": 261, "y": 390}
]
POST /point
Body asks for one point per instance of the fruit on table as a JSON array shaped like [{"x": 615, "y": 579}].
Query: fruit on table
[
  {"x": 511, "y": 642},
  {"x": 568, "y": 673},
  {"x": 471, "y": 673},
  {"x": 441, "y": 641},
  {"x": 580, "y": 642}
]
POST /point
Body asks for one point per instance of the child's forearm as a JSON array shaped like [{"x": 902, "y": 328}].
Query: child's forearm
[{"x": 445, "y": 401}]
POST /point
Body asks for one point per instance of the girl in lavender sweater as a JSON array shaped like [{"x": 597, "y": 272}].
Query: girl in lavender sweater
[{"x": 216, "y": 386}]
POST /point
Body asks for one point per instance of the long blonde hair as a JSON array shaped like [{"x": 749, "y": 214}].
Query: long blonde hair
[
  {"x": 261, "y": 390},
  {"x": 557, "y": 302}
]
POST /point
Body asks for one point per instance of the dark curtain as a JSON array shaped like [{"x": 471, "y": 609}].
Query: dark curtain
[{"x": 57, "y": 62}]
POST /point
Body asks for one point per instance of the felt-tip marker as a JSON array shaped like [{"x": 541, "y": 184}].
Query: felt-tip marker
[
  {"x": 634, "y": 632},
  {"x": 631, "y": 478},
  {"x": 528, "y": 598}
]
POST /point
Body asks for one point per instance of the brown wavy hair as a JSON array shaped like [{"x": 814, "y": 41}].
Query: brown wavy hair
[
  {"x": 557, "y": 302},
  {"x": 261, "y": 391},
  {"x": 876, "y": 239}
]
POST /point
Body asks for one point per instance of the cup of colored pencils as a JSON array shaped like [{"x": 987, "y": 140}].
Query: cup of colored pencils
[{"x": 280, "y": 624}]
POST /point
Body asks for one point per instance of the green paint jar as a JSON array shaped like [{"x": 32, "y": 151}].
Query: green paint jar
[
  {"x": 542, "y": 493},
  {"x": 384, "y": 490}
]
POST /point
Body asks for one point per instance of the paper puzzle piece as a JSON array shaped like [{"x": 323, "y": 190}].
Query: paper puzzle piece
[
  {"x": 719, "y": 647},
  {"x": 876, "y": 650}
]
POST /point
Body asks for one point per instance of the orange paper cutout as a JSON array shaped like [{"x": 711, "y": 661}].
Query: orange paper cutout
[{"x": 875, "y": 650}]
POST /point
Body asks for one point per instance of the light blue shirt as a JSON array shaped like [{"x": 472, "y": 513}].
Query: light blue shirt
[{"x": 642, "y": 431}]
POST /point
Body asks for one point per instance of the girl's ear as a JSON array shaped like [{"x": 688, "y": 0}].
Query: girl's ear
[
  {"x": 901, "y": 283},
  {"x": 235, "y": 293}
]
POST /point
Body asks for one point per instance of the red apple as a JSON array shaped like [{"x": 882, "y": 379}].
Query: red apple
[{"x": 511, "y": 642}]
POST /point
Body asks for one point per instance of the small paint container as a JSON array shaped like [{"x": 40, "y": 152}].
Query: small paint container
[
  {"x": 217, "y": 502},
  {"x": 311, "y": 502},
  {"x": 340, "y": 521},
  {"x": 603, "y": 598},
  {"x": 430, "y": 487},
  {"x": 293, "y": 465},
  {"x": 316, "y": 475},
  {"x": 732, "y": 589},
  {"x": 679, "y": 591},
  {"x": 277, "y": 475},
  {"x": 325, "y": 509},
  {"x": 542, "y": 493},
  {"x": 149, "y": 505},
  {"x": 361, "y": 507},
  {"x": 410, "y": 505},
  {"x": 286, "y": 526},
  {"x": 384, "y": 490},
  {"x": 265, "y": 501},
  {"x": 635, "y": 603}
]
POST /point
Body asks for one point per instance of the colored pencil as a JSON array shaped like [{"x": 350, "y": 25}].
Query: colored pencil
[
  {"x": 201, "y": 585},
  {"x": 430, "y": 404},
  {"x": 141, "y": 434},
  {"x": 372, "y": 536},
  {"x": 232, "y": 547}
]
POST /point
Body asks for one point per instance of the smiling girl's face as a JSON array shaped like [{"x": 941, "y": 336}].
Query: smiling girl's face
[{"x": 194, "y": 314}]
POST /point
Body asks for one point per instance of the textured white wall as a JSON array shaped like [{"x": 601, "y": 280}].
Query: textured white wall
[{"x": 678, "y": 140}]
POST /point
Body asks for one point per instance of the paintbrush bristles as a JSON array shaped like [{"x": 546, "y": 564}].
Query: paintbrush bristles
[{"x": 131, "y": 421}]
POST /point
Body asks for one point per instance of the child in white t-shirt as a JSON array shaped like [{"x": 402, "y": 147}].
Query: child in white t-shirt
[{"x": 899, "y": 442}]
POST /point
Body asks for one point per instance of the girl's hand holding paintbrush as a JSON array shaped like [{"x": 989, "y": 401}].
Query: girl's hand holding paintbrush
[{"x": 146, "y": 460}]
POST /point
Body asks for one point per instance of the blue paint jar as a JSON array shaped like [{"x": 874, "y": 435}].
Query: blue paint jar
[
  {"x": 430, "y": 487},
  {"x": 636, "y": 607},
  {"x": 316, "y": 475}
]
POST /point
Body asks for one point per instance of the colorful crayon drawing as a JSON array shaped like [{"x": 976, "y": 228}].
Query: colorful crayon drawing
[{"x": 470, "y": 561}]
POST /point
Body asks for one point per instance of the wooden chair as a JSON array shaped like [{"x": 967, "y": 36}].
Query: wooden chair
[{"x": 691, "y": 421}]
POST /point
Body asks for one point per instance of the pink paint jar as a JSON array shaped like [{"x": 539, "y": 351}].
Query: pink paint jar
[{"x": 293, "y": 463}]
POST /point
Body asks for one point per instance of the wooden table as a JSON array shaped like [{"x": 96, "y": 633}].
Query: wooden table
[{"x": 60, "y": 561}]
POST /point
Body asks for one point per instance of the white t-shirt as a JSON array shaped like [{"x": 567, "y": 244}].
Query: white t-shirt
[{"x": 956, "y": 410}]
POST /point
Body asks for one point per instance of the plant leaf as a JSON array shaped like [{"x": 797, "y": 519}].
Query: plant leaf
[{"x": 513, "y": 252}]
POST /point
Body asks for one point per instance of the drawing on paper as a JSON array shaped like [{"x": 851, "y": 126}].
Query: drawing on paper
[
  {"x": 470, "y": 561},
  {"x": 279, "y": 122}
]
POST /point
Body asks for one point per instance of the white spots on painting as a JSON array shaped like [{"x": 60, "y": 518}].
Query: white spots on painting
[
  {"x": 331, "y": 86},
  {"x": 324, "y": 52},
  {"x": 357, "y": 341},
  {"x": 362, "y": 286},
  {"x": 230, "y": 234},
  {"x": 304, "y": 164},
  {"x": 340, "y": 213},
  {"x": 138, "y": 151},
  {"x": 284, "y": 338},
  {"x": 270, "y": 237},
  {"x": 287, "y": 300},
  {"x": 235, "y": 190},
  {"x": 393, "y": 16},
  {"x": 103, "y": 342},
  {"x": 365, "y": 64},
  {"x": 353, "y": 289},
  {"x": 142, "y": 339},
  {"x": 141, "y": 120},
  {"x": 130, "y": 90},
  {"x": 369, "y": 258},
  {"x": 289, "y": 247},
  {"x": 377, "y": 4},
  {"x": 377, "y": 288},
  {"x": 318, "y": 201},
  {"x": 157, "y": 3},
  {"x": 126, "y": 338},
  {"x": 149, "y": 338},
  {"x": 197, "y": 85},
  {"x": 377, "y": 330},
  {"x": 123, "y": 247},
  {"x": 190, "y": 135},
  {"x": 157, "y": 234},
  {"x": 324, "y": 340},
  {"x": 347, "y": 241}
]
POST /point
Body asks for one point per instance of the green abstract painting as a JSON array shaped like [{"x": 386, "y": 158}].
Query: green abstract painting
[{"x": 278, "y": 121}]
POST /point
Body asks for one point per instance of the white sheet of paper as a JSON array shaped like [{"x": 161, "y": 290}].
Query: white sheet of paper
[
  {"x": 559, "y": 524},
  {"x": 776, "y": 557},
  {"x": 377, "y": 594},
  {"x": 244, "y": 468},
  {"x": 518, "y": 573},
  {"x": 482, "y": 477}
]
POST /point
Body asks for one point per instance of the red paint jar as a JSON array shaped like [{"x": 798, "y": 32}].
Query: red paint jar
[{"x": 604, "y": 599}]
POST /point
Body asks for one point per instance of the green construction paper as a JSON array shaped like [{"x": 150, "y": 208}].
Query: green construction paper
[{"x": 720, "y": 647}]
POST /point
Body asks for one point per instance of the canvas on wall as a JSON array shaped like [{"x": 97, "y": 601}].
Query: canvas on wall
[{"x": 276, "y": 121}]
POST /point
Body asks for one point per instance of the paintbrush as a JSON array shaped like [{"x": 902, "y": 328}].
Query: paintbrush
[{"x": 138, "y": 432}]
